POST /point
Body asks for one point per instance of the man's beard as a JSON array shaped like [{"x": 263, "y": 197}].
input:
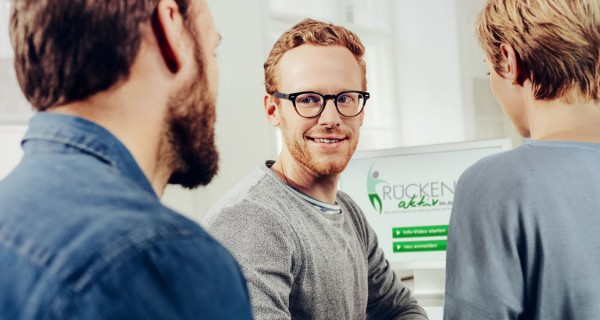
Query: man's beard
[
  {"x": 190, "y": 124},
  {"x": 302, "y": 155}
]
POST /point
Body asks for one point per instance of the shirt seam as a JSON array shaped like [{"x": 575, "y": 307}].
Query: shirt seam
[
  {"x": 339, "y": 218},
  {"x": 588, "y": 146},
  {"x": 81, "y": 146}
]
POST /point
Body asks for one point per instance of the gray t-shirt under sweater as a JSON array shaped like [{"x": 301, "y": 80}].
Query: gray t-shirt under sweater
[
  {"x": 303, "y": 264},
  {"x": 524, "y": 239}
]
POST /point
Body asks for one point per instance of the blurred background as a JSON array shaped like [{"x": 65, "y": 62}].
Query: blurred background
[{"x": 425, "y": 73}]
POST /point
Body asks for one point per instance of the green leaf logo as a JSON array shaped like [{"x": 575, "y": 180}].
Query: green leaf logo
[{"x": 372, "y": 182}]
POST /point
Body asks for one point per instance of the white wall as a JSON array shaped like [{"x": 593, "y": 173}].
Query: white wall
[
  {"x": 10, "y": 147},
  {"x": 443, "y": 90},
  {"x": 484, "y": 118},
  {"x": 428, "y": 72}
]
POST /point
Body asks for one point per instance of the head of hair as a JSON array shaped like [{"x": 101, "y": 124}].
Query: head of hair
[
  {"x": 69, "y": 50},
  {"x": 557, "y": 43},
  {"x": 313, "y": 32}
]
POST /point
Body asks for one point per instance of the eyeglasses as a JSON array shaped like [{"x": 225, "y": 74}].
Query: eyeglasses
[{"x": 310, "y": 104}]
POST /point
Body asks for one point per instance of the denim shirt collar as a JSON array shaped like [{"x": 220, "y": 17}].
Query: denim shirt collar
[{"x": 91, "y": 139}]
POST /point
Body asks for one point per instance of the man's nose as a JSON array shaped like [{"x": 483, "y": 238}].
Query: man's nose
[{"x": 330, "y": 115}]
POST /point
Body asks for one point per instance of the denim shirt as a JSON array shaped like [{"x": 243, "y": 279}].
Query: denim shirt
[{"x": 84, "y": 236}]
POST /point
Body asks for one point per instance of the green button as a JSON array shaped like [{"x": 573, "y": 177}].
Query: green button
[
  {"x": 416, "y": 246},
  {"x": 421, "y": 231}
]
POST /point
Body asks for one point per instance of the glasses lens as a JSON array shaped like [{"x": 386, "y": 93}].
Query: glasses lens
[
  {"x": 309, "y": 104},
  {"x": 350, "y": 103}
]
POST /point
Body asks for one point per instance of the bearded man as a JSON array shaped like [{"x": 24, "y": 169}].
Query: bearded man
[
  {"x": 305, "y": 248},
  {"x": 125, "y": 93}
]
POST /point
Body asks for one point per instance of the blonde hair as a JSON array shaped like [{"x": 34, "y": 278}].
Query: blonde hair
[
  {"x": 556, "y": 41},
  {"x": 313, "y": 32}
]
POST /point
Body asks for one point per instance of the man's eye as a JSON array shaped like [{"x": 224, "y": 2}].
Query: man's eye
[
  {"x": 308, "y": 99},
  {"x": 345, "y": 99}
]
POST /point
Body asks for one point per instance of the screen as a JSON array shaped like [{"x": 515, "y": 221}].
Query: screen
[{"x": 406, "y": 195}]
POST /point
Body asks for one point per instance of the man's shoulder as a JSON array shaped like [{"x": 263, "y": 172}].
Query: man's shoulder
[
  {"x": 508, "y": 173},
  {"x": 496, "y": 169},
  {"x": 83, "y": 236},
  {"x": 74, "y": 233},
  {"x": 260, "y": 205},
  {"x": 347, "y": 200},
  {"x": 258, "y": 193},
  {"x": 72, "y": 249},
  {"x": 349, "y": 205},
  {"x": 144, "y": 261}
]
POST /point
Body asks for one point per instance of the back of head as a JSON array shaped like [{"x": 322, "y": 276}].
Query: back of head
[
  {"x": 69, "y": 50},
  {"x": 312, "y": 32},
  {"x": 557, "y": 42}
]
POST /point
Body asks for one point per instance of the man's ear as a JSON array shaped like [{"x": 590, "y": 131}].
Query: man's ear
[
  {"x": 512, "y": 67},
  {"x": 271, "y": 110},
  {"x": 168, "y": 27}
]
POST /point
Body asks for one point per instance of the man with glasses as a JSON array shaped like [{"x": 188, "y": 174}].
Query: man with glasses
[{"x": 305, "y": 248}]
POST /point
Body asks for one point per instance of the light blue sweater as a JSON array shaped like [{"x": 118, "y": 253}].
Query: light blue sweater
[{"x": 524, "y": 239}]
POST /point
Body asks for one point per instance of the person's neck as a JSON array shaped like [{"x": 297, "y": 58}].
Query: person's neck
[
  {"x": 297, "y": 176},
  {"x": 136, "y": 120},
  {"x": 558, "y": 120}
]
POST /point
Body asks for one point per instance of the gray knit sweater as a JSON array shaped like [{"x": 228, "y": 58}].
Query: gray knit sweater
[{"x": 303, "y": 264}]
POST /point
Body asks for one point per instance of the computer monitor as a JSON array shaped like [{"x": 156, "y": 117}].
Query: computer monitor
[
  {"x": 406, "y": 195},
  {"x": 10, "y": 147}
]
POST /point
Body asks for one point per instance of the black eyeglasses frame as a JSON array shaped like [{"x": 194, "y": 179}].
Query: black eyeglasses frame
[{"x": 292, "y": 97}]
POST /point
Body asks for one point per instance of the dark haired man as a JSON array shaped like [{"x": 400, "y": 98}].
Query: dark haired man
[{"x": 126, "y": 97}]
